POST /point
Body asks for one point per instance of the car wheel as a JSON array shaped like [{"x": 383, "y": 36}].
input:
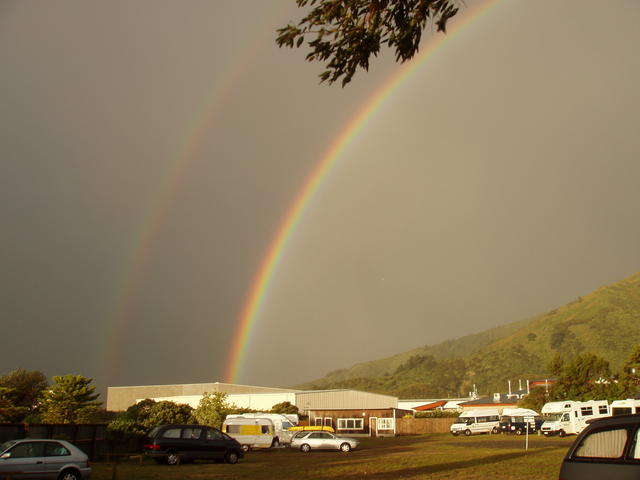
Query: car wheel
[
  {"x": 495, "y": 430},
  {"x": 345, "y": 447},
  {"x": 455, "y": 434},
  {"x": 173, "y": 458},
  {"x": 276, "y": 442},
  {"x": 231, "y": 457},
  {"x": 69, "y": 475},
  {"x": 467, "y": 432},
  {"x": 245, "y": 448},
  {"x": 562, "y": 433},
  {"x": 518, "y": 432},
  {"x": 305, "y": 448}
]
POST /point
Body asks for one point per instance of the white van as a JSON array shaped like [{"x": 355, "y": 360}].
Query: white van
[
  {"x": 625, "y": 407},
  {"x": 570, "y": 417},
  {"x": 281, "y": 423},
  {"x": 485, "y": 420}
]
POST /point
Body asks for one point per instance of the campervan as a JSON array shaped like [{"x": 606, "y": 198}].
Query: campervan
[
  {"x": 570, "y": 417},
  {"x": 625, "y": 407},
  {"x": 476, "y": 421},
  {"x": 519, "y": 420},
  {"x": 281, "y": 423}
]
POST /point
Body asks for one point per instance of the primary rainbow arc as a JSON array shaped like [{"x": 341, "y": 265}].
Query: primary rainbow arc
[{"x": 274, "y": 253}]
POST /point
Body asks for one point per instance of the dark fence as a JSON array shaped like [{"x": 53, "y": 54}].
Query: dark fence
[
  {"x": 90, "y": 438},
  {"x": 418, "y": 426}
]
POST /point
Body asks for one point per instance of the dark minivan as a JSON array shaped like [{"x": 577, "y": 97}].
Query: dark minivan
[
  {"x": 173, "y": 444},
  {"x": 607, "y": 448}
]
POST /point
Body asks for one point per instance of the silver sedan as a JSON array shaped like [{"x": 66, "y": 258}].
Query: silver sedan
[{"x": 307, "y": 441}]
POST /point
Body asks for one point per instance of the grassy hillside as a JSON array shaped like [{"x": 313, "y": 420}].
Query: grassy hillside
[{"x": 605, "y": 322}]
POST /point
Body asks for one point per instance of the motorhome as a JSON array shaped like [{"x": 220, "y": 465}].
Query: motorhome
[
  {"x": 476, "y": 421},
  {"x": 570, "y": 417},
  {"x": 625, "y": 407},
  {"x": 520, "y": 420},
  {"x": 281, "y": 423}
]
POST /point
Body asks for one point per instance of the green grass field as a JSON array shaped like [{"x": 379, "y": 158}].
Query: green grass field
[{"x": 436, "y": 456}]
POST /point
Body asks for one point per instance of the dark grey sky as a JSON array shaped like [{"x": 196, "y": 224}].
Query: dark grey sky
[{"x": 149, "y": 151}]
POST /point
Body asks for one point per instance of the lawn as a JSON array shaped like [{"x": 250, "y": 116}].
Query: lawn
[{"x": 435, "y": 456}]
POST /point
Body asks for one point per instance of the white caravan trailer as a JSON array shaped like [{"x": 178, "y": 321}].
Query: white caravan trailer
[
  {"x": 281, "y": 424},
  {"x": 251, "y": 432},
  {"x": 625, "y": 407},
  {"x": 570, "y": 417},
  {"x": 484, "y": 420}
]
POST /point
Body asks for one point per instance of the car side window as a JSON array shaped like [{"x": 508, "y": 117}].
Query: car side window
[
  {"x": 172, "y": 433},
  {"x": 213, "y": 435},
  {"x": 27, "y": 450},
  {"x": 55, "y": 449},
  {"x": 603, "y": 444},
  {"x": 192, "y": 433},
  {"x": 635, "y": 449},
  {"x": 316, "y": 435}
]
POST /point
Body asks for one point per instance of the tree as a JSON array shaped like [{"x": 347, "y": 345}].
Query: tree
[
  {"x": 284, "y": 407},
  {"x": 22, "y": 390},
  {"x": 72, "y": 399},
  {"x": 212, "y": 409},
  {"x": 587, "y": 376},
  {"x": 165, "y": 412},
  {"x": 535, "y": 399},
  {"x": 138, "y": 419},
  {"x": 9, "y": 412},
  {"x": 630, "y": 378},
  {"x": 345, "y": 33}
]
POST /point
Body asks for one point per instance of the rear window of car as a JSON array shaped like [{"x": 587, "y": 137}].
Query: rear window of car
[
  {"x": 55, "y": 449},
  {"x": 603, "y": 444}
]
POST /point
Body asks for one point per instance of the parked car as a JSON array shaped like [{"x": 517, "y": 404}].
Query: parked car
[
  {"x": 44, "y": 459},
  {"x": 173, "y": 444},
  {"x": 310, "y": 440},
  {"x": 606, "y": 448},
  {"x": 476, "y": 421},
  {"x": 520, "y": 420}
]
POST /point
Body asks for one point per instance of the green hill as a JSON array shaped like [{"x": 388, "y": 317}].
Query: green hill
[{"x": 605, "y": 322}]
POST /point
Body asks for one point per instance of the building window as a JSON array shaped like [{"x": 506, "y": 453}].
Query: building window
[
  {"x": 328, "y": 422},
  {"x": 317, "y": 421},
  {"x": 350, "y": 424},
  {"x": 385, "y": 423}
]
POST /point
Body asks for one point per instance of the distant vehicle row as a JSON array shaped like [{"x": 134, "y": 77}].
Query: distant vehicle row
[{"x": 558, "y": 418}]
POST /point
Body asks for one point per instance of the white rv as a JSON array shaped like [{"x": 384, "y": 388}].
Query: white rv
[
  {"x": 484, "y": 420},
  {"x": 281, "y": 423},
  {"x": 570, "y": 417},
  {"x": 625, "y": 407}
]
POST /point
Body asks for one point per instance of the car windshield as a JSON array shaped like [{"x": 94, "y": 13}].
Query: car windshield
[
  {"x": 552, "y": 417},
  {"x": 7, "y": 444},
  {"x": 462, "y": 420}
]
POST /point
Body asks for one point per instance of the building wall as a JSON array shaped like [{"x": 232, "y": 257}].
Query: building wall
[
  {"x": 121, "y": 398},
  {"x": 343, "y": 399},
  {"x": 336, "y": 418},
  {"x": 255, "y": 401}
]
